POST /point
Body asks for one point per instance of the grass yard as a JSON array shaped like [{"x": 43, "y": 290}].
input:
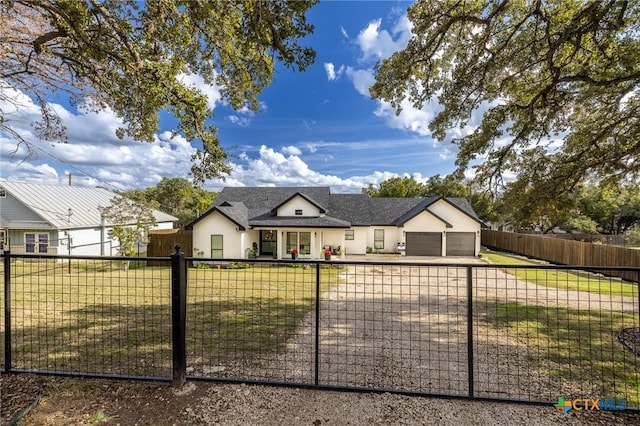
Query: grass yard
[
  {"x": 574, "y": 345},
  {"x": 564, "y": 279},
  {"x": 95, "y": 317}
]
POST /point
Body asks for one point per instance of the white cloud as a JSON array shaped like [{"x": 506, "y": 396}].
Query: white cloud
[
  {"x": 271, "y": 168},
  {"x": 378, "y": 44},
  {"x": 332, "y": 73},
  {"x": 344, "y": 32},
  {"x": 212, "y": 92},
  {"x": 93, "y": 155},
  {"x": 361, "y": 79},
  {"x": 410, "y": 118},
  {"x": 291, "y": 150},
  {"x": 329, "y": 68},
  {"x": 240, "y": 121}
]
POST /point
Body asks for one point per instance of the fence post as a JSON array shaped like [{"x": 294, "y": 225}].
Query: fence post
[
  {"x": 179, "y": 316},
  {"x": 316, "y": 360},
  {"x": 7, "y": 311},
  {"x": 470, "y": 330}
]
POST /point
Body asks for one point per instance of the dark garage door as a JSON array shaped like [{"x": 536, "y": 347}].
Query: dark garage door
[
  {"x": 461, "y": 243},
  {"x": 424, "y": 244}
]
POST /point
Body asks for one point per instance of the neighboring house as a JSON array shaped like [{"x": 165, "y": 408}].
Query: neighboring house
[
  {"x": 308, "y": 219},
  {"x": 57, "y": 219}
]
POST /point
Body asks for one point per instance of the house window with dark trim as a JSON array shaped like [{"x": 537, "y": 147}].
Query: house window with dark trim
[
  {"x": 299, "y": 212},
  {"x": 3, "y": 239},
  {"x": 36, "y": 243},
  {"x": 349, "y": 234},
  {"x": 216, "y": 247},
  {"x": 3, "y": 193},
  {"x": 378, "y": 239}
]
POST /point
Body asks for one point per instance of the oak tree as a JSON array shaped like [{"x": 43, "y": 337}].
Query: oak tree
[
  {"x": 557, "y": 84},
  {"x": 137, "y": 58}
]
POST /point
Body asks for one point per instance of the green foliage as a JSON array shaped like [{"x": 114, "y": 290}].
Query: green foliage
[
  {"x": 408, "y": 187},
  {"x": 405, "y": 187},
  {"x": 613, "y": 209},
  {"x": 239, "y": 265},
  {"x": 176, "y": 196},
  {"x": 556, "y": 84},
  {"x": 130, "y": 223},
  {"x": 137, "y": 57},
  {"x": 98, "y": 416},
  {"x": 588, "y": 208}
]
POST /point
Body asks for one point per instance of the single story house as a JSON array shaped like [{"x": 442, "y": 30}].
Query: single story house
[
  {"x": 256, "y": 221},
  {"x": 59, "y": 219}
]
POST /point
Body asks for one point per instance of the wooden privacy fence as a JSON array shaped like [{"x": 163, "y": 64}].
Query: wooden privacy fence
[
  {"x": 564, "y": 252},
  {"x": 163, "y": 241}
]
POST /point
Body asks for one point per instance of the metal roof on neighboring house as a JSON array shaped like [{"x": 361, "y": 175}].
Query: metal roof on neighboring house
[{"x": 66, "y": 207}]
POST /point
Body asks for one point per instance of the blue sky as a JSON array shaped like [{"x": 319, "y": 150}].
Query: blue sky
[{"x": 317, "y": 127}]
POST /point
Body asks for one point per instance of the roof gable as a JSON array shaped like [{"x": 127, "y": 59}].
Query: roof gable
[{"x": 305, "y": 197}]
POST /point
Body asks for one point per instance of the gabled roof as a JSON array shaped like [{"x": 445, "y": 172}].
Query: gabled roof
[
  {"x": 236, "y": 212},
  {"x": 420, "y": 207},
  {"x": 257, "y": 207},
  {"x": 303, "y": 195},
  {"x": 66, "y": 207}
]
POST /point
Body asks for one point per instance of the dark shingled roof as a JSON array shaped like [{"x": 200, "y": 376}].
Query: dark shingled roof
[
  {"x": 353, "y": 208},
  {"x": 255, "y": 207},
  {"x": 261, "y": 200},
  {"x": 236, "y": 211},
  {"x": 300, "y": 222}
]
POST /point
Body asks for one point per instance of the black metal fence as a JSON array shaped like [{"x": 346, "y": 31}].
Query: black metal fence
[{"x": 466, "y": 330}]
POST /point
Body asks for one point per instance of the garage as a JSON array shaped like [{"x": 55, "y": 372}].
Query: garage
[
  {"x": 424, "y": 244},
  {"x": 461, "y": 243}
]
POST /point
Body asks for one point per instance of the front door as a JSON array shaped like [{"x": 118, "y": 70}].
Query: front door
[{"x": 268, "y": 242}]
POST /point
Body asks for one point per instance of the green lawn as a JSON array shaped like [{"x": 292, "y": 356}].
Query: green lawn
[
  {"x": 573, "y": 344},
  {"x": 96, "y": 317},
  {"x": 582, "y": 281}
]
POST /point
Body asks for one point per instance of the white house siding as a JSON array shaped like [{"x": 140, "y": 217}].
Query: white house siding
[
  {"x": 392, "y": 236},
  {"x": 87, "y": 242},
  {"x": 217, "y": 224},
  {"x": 359, "y": 243},
  {"x": 298, "y": 203},
  {"x": 460, "y": 221},
  {"x": 164, "y": 225},
  {"x": 333, "y": 238}
]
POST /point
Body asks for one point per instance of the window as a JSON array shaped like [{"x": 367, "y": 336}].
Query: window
[
  {"x": 378, "y": 239},
  {"x": 36, "y": 243},
  {"x": 216, "y": 247},
  {"x": 3, "y": 193},
  {"x": 298, "y": 212},
  {"x": 305, "y": 243},
  {"x": 292, "y": 241},
  {"x": 301, "y": 238},
  {"x": 3, "y": 239},
  {"x": 349, "y": 234}
]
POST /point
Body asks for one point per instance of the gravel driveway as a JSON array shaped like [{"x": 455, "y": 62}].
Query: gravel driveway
[{"x": 405, "y": 328}]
